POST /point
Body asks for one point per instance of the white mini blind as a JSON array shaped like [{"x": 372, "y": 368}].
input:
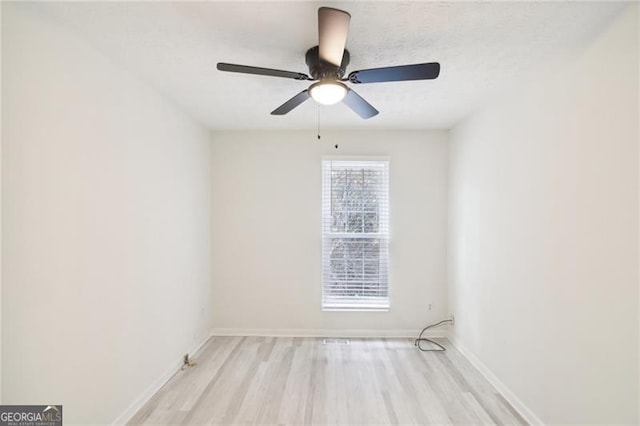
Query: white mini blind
[{"x": 355, "y": 235}]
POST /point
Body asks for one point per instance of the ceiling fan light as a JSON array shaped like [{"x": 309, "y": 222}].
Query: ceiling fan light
[{"x": 328, "y": 92}]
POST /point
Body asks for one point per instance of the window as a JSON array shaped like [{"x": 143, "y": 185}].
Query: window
[{"x": 355, "y": 235}]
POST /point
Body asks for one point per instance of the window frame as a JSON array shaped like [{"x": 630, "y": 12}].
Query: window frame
[{"x": 384, "y": 237}]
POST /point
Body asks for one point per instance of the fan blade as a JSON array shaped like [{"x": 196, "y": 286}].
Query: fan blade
[
  {"x": 427, "y": 71},
  {"x": 359, "y": 105},
  {"x": 333, "y": 27},
  {"x": 244, "y": 69},
  {"x": 291, "y": 103}
]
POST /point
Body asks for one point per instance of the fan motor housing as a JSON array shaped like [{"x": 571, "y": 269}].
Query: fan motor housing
[{"x": 321, "y": 70}]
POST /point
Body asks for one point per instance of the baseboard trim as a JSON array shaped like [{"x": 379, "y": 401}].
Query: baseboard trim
[
  {"x": 154, "y": 387},
  {"x": 352, "y": 333},
  {"x": 515, "y": 402}
]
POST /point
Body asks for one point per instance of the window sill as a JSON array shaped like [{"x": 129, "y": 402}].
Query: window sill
[{"x": 355, "y": 309}]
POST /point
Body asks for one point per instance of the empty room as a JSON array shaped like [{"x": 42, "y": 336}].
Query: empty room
[{"x": 306, "y": 213}]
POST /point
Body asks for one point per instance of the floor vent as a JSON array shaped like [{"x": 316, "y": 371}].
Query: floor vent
[{"x": 335, "y": 341}]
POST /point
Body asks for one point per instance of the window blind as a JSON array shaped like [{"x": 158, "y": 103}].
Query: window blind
[{"x": 355, "y": 237}]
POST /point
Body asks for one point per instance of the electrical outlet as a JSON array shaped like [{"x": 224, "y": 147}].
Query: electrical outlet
[
  {"x": 429, "y": 306},
  {"x": 453, "y": 319}
]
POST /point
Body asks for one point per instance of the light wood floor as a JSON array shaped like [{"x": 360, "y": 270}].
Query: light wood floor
[{"x": 294, "y": 381}]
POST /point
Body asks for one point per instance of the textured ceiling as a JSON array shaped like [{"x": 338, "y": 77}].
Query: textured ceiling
[{"x": 482, "y": 47}]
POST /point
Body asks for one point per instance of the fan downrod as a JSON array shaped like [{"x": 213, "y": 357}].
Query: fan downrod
[{"x": 322, "y": 70}]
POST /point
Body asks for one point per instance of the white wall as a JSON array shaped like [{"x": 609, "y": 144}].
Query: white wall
[
  {"x": 638, "y": 125},
  {"x": 1, "y": 399},
  {"x": 0, "y": 209},
  {"x": 544, "y": 235},
  {"x": 106, "y": 225},
  {"x": 266, "y": 197}
]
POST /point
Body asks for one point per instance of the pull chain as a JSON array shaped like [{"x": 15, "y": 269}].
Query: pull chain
[{"x": 318, "y": 121}]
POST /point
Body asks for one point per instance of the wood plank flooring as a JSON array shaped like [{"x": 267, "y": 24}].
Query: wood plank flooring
[{"x": 295, "y": 381}]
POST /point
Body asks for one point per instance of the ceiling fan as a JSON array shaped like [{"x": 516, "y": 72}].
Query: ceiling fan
[{"x": 327, "y": 64}]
